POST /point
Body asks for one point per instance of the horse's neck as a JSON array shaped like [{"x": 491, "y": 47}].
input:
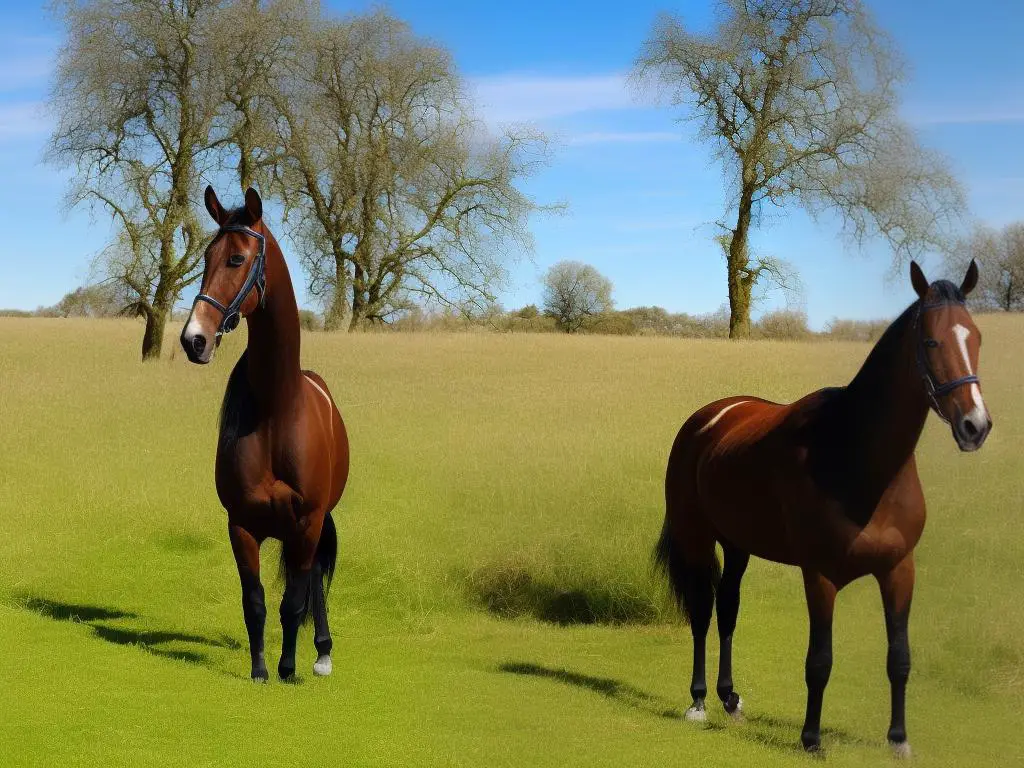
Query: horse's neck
[
  {"x": 886, "y": 402},
  {"x": 274, "y": 337}
]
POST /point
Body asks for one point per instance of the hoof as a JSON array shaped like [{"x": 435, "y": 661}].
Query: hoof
[
  {"x": 286, "y": 671},
  {"x": 734, "y": 707},
  {"x": 260, "y": 675},
  {"x": 696, "y": 713},
  {"x": 900, "y": 749},
  {"x": 811, "y": 742},
  {"x": 322, "y": 666}
]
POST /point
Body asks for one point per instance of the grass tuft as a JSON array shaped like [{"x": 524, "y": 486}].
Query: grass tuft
[{"x": 514, "y": 589}]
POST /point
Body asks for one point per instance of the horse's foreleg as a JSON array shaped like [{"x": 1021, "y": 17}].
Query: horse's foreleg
[
  {"x": 897, "y": 590},
  {"x": 727, "y": 608},
  {"x": 247, "y": 557},
  {"x": 299, "y": 554},
  {"x": 821, "y": 599}
]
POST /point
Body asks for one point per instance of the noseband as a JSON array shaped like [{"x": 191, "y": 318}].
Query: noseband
[
  {"x": 231, "y": 314},
  {"x": 933, "y": 389}
]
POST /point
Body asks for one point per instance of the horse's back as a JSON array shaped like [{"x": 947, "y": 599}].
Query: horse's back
[{"x": 732, "y": 460}]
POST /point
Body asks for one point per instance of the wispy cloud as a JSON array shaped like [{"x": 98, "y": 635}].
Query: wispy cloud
[
  {"x": 22, "y": 119},
  {"x": 25, "y": 62},
  {"x": 634, "y": 137},
  {"x": 974, "y": 109},
  {"x": 529, "y": 98}
]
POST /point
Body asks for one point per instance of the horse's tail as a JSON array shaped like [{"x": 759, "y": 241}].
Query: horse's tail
[
  {"x": 327, "y": 551},
  {"x": 692, "y": 586}
]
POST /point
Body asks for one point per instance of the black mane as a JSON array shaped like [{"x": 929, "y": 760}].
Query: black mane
[{"x": 238, "y": 412}]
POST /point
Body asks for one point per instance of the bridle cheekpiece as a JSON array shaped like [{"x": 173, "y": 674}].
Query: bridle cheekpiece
[
  {"x": 257, "y": 277},
  {"x": 933, "y": 389}
]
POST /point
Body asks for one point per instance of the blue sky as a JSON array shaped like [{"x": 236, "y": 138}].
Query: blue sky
[{"x": 642, "y": 193}]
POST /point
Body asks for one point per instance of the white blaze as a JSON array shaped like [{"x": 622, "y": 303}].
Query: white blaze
[{"x": 979, "y": 413}]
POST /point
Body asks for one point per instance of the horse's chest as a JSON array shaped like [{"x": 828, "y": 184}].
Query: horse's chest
[{"x": 246, "y": 468}]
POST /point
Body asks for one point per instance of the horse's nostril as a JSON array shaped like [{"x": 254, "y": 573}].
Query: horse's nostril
[
  {"x": 198, "y": 344},
  {"x": 970, "y": 429}
]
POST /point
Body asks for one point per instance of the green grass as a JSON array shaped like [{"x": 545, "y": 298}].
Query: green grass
[{"x": 494, "y": 602}]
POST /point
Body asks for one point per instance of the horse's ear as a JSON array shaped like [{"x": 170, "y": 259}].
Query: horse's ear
[
  {"x": 970, "y": 279},
  {"x": 253, "y": 205},
  {"x": 918, "y": 280},
  {"x": 213, "y": 206}
]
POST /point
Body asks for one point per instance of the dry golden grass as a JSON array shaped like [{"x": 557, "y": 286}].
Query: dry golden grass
[{"x": 520, "y": 472}]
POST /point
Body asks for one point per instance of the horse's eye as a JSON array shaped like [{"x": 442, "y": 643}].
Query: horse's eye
[
  {"x": 931, "y": 343},
  {"x": 236, "y": 260}
]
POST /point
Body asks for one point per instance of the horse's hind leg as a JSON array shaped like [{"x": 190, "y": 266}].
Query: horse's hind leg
[
  {"x": 687, "y": 550},
  {"x": 299, "y": 556},
  {"x": 322, "y": 638},
  {"x": 727, "y": 607},
  {"x": 247, "y": 557}
]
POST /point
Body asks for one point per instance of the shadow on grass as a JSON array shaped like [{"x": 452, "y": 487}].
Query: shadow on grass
[
  {"x": 770, "y": 731},
  {"x": 784, "y": 733},
  {"x": 511, "y": 590},
  {"x": 606, "y": 686},
  {"x": 150, "y": 641}
]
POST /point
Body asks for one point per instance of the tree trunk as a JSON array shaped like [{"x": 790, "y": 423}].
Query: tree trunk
[
  {"x": 738, "y": 266},
  {"x": 359, "y": 305},
  {"x": 153, "y": 338},
  {"x": 337, "y": 316}
]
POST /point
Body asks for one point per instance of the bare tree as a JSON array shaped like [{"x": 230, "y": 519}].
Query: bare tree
[
  {"x": 575, "y": 294},
  {"x": 398, "y": 192},
  {"x": 257, "y": 46},
  {"x": 134, "y": 105},
  {"x": 800, "y": 99},
  {"x": 1001, "y": 256}
]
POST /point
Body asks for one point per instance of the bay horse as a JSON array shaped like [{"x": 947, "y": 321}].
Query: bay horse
[
  {"x": 282, "y": 452},
  {"x": 829, "y": 484}
]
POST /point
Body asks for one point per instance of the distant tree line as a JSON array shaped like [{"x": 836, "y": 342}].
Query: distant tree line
[{"x": 396, "y": 196}]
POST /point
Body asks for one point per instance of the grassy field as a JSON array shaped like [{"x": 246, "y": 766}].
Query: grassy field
[{"x": 502, "y": 488}]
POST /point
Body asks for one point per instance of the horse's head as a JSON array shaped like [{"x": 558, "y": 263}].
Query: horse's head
[
  {"x": 234, "y": 280},
  {"x": 948, "y": 345}
]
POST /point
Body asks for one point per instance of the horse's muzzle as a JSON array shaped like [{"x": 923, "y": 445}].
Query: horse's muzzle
[
  {"x": 970, "y": 430},
  {"x": 197, "y": 347}
]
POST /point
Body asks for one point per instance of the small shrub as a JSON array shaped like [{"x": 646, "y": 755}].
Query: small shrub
[
  {"x": 512, "y": 589},
  {"x": 783, "y": 325},
  {"x": 310, "y": 320},
  {"x": 855, "y": 330}
]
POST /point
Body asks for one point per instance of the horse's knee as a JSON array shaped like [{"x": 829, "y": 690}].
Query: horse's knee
[
  {"x": 818, "y": 667},
  {"x": 898, "y": 662},
  {"x": 254, "y": 606}
]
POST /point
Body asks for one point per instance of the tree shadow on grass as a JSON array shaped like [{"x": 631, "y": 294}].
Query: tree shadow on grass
[
  {"x": 770, "y": 731},
  {"x": 150, "y": 641}
]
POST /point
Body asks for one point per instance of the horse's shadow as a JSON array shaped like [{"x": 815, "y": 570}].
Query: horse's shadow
[
  {"x": 99, "y": 618},
  {"x": 624, "y": 693},
  {"x": 767, "y": 730}
]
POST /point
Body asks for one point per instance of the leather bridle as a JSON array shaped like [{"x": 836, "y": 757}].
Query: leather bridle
[
  {"x": 257, "y": 277},
  {"x": 933, "y": 389}
]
